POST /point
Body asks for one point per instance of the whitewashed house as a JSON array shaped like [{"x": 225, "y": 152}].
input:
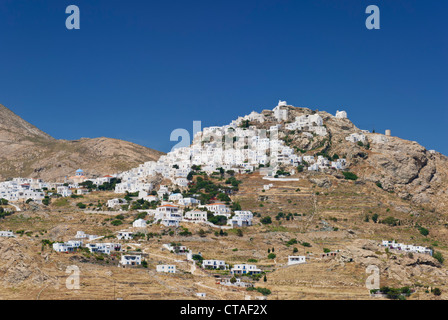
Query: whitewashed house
[
  {"x": 219, "y": 209},
  {"x": 125, "y": 235},
  {"x": 245, "y": 269},
  {"x": 83, "y": 235},
  {"x": 241, "y": 219},
  {"x": 356, "y": 137},
  {"x": 166, "y": 268},
  {"x": 341, "y": 114},
  {"x": 169, "y": 215},
  {"x": 64, "y": 191},
  {"x": 196, "y": 215},
  {"x": 174, "y": 248},
  {"x": 112, "y": 203},
  {"x": 131, "y": 260},
  {"x": 105, "y": 248},
  {"x": 189, "y": 202},
  {"x": 406, "y": 248},
  {"x": 214, "y": 264},
  {"x": 175, "y": 197},
  {"x": 296, "y": 260},
  {"x": 139, "y": 223},
  {"x": 69, "y": 246},
  {"x": 7, "y": 234},
  {"x": 280, "y": 111}
]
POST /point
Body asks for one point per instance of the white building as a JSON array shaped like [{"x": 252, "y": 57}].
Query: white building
[
  {"x": 280, "y": 111},
  {"x": 131, "y": 260},
  {"x": 356, "y": 137},
  {"x": 296, "y": 260},
  {"x": 241, "y": 219},
  {"x": 105, "y": 248},
  {"x": 174, "y": 248},
  {"x": 406, "y": 248},
  {"x": 214, "y": 264},
  {"x": 125, "y": 235},
  {"x": 196, "y": 215},
  {"x": 64, "y": 191},
  {"x": 341, "y": 114},
  {"x": 69, "y": 246},
  {"x": 112, "y": 203},
  {"x": 139, "y": 223},
  {"x": 83, "y": 235},
  {"x": 244, "y": 269},
  {"x": 169, "y": 215},
  {"x": 7, "y": 234},
  {"x": 219, "y": 209},
  {"x": 166, "y": 268}
]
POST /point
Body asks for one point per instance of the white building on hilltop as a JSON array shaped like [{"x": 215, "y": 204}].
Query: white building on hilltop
[
  {"x": 341, "y": 114},
  {"x": 280, "y": 111}
]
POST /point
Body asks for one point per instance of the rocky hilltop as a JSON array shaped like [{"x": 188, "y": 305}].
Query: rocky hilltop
[
  {"x": 27, "y": 151},
  {"x": 396, "y": 165}
]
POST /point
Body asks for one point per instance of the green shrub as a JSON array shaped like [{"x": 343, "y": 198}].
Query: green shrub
[
  {"x": 423, "y": 231},
  {"x": 439, "y": 257},
  {"x": 391, "y": 221},
  {"x": 350, "y": 175},
  {"x": 266, "y": 220}
]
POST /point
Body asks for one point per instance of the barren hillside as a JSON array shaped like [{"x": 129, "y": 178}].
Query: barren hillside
[{"x": 28, "y": 152}]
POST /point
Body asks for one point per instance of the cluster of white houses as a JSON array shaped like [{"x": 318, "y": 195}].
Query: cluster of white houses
[
  {"x": 232, "y": 147},
  {"x": 237, "y": 146},
  {"x": 391, "y": 244},
  {"x": 23, "y": 189},
  {"x": 171, "y": 215}
]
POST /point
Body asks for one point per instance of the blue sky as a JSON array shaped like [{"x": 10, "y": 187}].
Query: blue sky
[{"x": 136, "y": 70}]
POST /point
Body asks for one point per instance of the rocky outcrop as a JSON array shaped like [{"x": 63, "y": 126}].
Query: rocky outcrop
[
  {"x": 19, "y": 268},
  {"x": 397, "y": 266}
]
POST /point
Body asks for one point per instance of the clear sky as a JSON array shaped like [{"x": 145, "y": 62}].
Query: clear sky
[{"x": 136, "y": 70}]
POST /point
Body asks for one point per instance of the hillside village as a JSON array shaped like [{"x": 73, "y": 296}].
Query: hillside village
[{"x": 206, "y": 188}]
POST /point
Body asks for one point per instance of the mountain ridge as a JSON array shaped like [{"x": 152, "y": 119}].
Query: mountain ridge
[{"x": 29, "y": 152}]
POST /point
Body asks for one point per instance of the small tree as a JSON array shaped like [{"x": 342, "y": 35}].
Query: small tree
[
  {"x": 266, "y": 220},
  {"x": 350, "y": 175},
  {"x": 423, "y": 231},
  {"x": 439, "y": 257},
  {"x": 437, "y": 291}
]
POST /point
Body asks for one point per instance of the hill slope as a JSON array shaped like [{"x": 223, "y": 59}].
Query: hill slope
[
  {"x": 29, "y": 152},
  {"x": 403, "y": 167}
]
